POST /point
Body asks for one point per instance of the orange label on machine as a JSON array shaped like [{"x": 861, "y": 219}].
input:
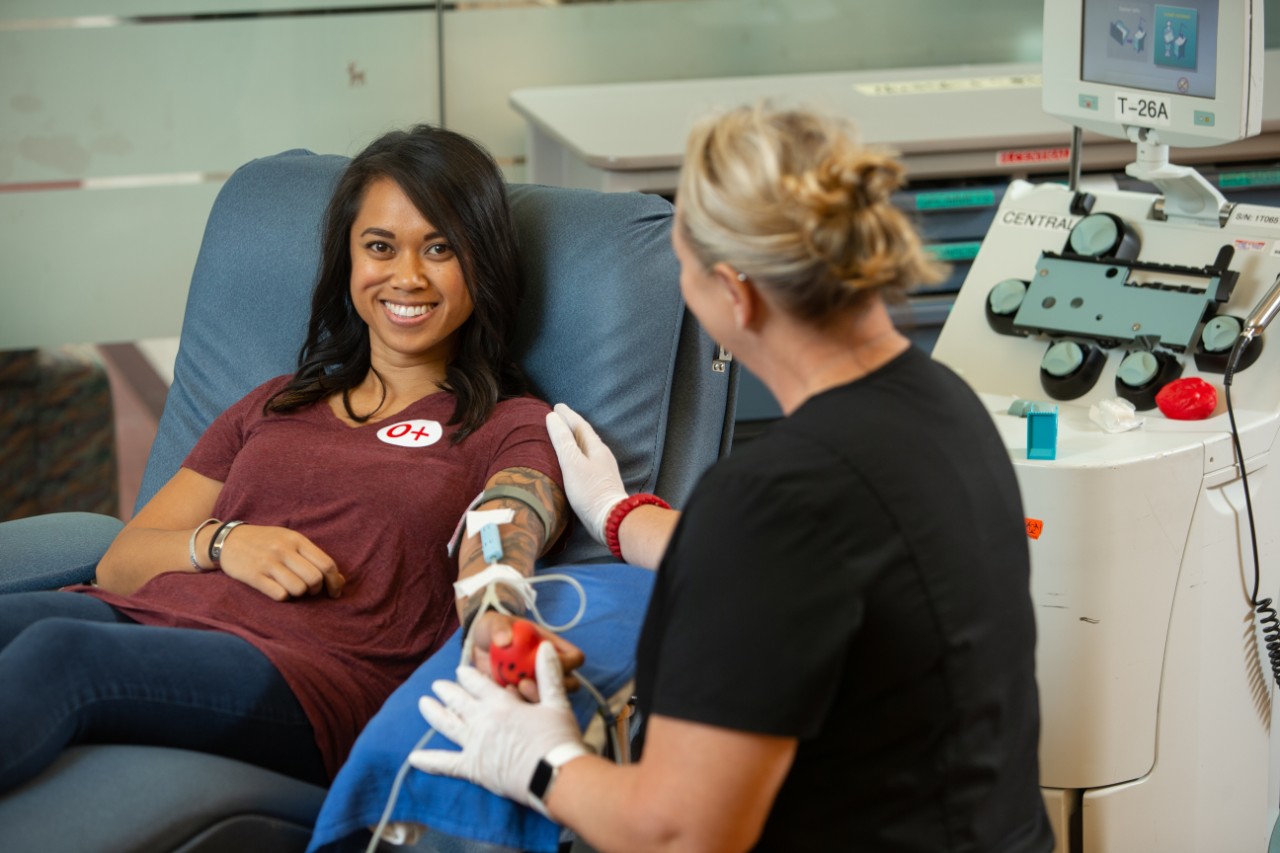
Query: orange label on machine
[
  {"x": 1034, "y": 527},
  {"x": 1019, "y": 156}
]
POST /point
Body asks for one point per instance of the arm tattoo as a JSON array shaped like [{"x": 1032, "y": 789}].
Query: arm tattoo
[{"x": 523, "y": 540}]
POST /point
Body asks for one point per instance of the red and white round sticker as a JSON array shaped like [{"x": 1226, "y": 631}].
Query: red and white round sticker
[{"x": 415, "y": 433}]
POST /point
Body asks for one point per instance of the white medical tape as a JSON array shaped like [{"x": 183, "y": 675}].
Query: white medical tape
[
  {"x": 495, "y": 574},
  {"x": 477, "y": 519}
]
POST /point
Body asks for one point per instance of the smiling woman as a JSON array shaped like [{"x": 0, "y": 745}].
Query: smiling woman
[
  {"x": 295, "y": 569},
  {"x": 409, "y": 213},
  {"x": 408, "y": 286}
]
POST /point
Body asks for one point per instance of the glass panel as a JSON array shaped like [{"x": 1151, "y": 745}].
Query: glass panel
[
  {"x": 680, "y": 39},
  {"x": 207, "y": 96},
  {"x": 34, "y": 11},
  {"x": 102, "y": 266},
  {"x": 166, "y": 110}
]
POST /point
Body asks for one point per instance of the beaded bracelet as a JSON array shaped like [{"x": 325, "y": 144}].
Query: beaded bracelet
[
  {"x": 191, "y": 544},
  {"x": 620, "y": 511}
]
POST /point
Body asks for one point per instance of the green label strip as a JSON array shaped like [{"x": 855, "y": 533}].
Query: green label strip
[
  {"x": 1256, "y": 178},
  {"x": 951, "y": 252},
  {"x": 953, "y": 199}
]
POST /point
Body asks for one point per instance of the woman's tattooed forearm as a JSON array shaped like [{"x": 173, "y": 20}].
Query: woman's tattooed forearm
[{"x": 523, "y": 540}]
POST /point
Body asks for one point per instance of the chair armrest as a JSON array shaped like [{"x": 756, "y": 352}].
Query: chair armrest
[
  {"x": 54, "y": 550},
  {"x": 144, "y": 798}
]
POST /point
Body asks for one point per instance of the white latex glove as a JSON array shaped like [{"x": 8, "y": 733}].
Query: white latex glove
[
  {"x": 592, "y": 481},
  {"x": 502, "y": 736}
]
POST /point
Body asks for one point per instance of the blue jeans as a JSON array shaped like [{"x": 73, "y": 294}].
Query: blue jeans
[{"x": 75, "y": 670}]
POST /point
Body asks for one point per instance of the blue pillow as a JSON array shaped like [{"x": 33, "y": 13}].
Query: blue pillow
[{"x": 617, "y": 596}]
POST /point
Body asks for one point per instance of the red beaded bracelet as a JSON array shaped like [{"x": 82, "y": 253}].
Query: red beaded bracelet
[{"x": 620, "y": 511}]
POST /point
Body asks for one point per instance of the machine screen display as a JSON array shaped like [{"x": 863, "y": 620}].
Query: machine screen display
[{"x": 1159, "y": 47}]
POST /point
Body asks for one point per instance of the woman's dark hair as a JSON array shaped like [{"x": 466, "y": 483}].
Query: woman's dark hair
[{"x": 457, "y": 186}]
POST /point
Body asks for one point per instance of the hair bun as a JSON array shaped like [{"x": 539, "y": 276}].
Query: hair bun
[
  {"x": 876, "y": 177},
  {"x": 792, "y": 198},
  {"x": 845, "y": 183}
]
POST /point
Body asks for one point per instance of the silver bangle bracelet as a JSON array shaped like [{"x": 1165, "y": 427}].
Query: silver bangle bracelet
[
  {"x": 219, "y": 539},
  {"x": 191, "y": 545}
]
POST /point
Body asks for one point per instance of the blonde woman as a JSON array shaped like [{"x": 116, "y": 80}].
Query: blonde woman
[{"x": 838, "y": 654}]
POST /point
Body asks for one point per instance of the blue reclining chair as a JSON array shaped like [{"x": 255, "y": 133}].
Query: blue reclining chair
[{"x": 603, "y": 329}]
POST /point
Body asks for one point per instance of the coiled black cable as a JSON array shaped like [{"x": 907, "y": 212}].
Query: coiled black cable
[{"x": 1268, "y": 619}]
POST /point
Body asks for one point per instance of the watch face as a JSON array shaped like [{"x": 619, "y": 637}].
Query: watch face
[{"x": 541, "y": 779}]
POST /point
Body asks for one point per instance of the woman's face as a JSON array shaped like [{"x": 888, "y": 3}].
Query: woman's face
[{"x": 406, "y": 281}]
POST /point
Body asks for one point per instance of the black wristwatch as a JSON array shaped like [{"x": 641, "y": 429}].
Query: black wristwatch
[{"x": 544, "y": 775}]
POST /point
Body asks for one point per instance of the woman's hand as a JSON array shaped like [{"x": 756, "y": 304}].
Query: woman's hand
[
  {"x": 279, "y": 563},
  {"x": 592, "y": 481},
  {"x": 492, "y": 629}
]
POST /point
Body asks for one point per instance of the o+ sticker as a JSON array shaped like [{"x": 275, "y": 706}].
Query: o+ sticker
[{"x": 415, "y": 433}]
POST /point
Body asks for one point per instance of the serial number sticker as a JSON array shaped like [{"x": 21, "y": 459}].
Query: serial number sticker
[
  {"x": 1144, "y": 110},
  {"x": 1256, "y": 216}
]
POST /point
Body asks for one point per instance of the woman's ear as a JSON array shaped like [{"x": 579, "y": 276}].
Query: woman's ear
[{"x": 741, "y": 292}]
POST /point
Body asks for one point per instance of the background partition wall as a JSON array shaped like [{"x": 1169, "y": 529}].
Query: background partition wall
[{"x": 120, "y": 119}]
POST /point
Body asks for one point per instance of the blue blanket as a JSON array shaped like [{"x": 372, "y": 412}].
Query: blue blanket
[{"x": 617, "y": 596}]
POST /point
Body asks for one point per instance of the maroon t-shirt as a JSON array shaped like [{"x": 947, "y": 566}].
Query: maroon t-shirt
[{"x": 382, "y": 500}]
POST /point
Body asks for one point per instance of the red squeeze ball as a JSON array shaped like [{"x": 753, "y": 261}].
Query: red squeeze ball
[
  {"x": 509, "y": 665},
  {"x": 1187, "y": 399}
]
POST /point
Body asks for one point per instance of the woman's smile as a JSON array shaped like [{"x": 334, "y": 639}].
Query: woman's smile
[
  {"x": 407, "y": 282},
  {"x": 408, "y": 314}
]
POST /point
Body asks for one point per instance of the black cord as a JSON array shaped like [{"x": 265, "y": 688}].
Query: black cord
[{"x": 1269, "y": 620}]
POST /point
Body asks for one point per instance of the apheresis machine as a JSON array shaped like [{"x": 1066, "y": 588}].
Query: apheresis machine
[{"x": 1119, "y": 340}]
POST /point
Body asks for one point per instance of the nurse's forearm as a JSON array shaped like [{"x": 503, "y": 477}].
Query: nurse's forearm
[
  {"x": 644, "y": 534},
  {"x": 696, "y": 788},
  {"x": 606, "y": 805}
]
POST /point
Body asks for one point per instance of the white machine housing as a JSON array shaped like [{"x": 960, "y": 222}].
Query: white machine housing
[
  {"x": 1156, "y": 697},
  {"x": 1156, "y": 708}
]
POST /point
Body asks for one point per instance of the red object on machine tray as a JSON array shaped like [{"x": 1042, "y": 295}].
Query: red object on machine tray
[{"x": 1187, "y": 399}]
